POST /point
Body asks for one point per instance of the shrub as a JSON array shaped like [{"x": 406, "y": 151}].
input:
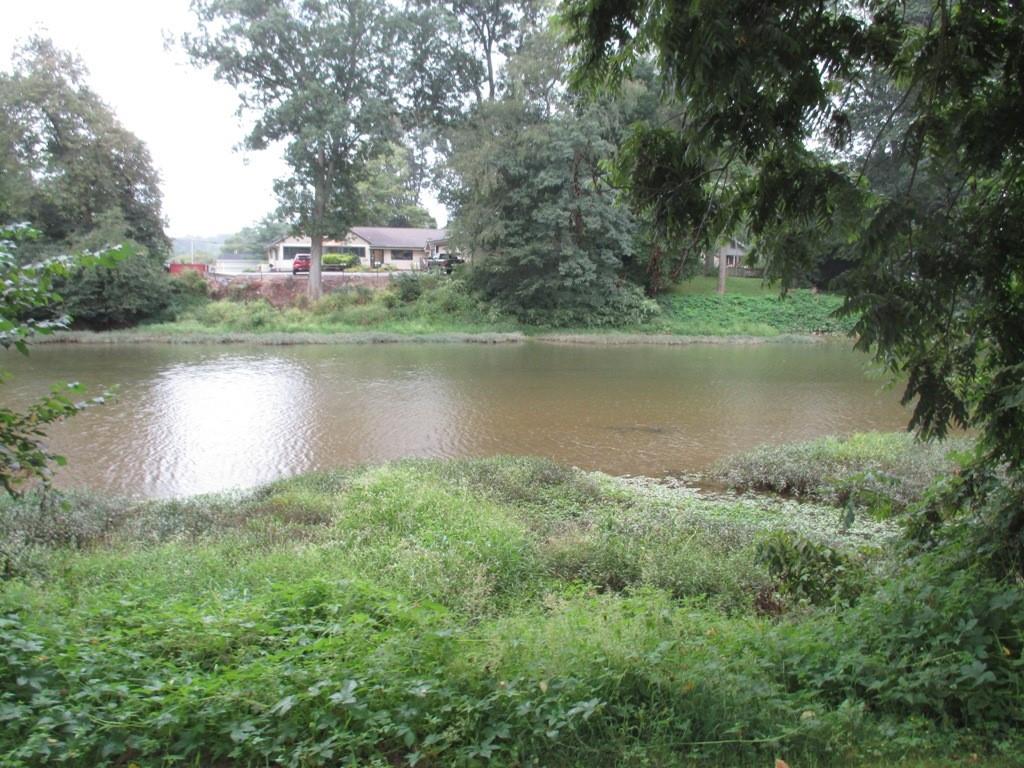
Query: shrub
[
  {"x": 134, "y": 290},
  {"x": 346, "y": 260},
  {"x": 188, "y": 290},
  {"x": 933, "y": 642},
  {"x": 810, "y": 570},
  {"x": 409, "y": 287}
]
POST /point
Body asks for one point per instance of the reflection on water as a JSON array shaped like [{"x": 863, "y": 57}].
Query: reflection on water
[
  {"x": 214, "y": 417},
  {"x": 193, "y": 419}
]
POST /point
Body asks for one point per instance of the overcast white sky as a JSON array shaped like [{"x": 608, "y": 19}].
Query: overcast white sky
[{"x": 184, "y": 116}]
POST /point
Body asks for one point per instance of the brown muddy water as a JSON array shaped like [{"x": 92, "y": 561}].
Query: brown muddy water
[{"x": 193, "y": 419}]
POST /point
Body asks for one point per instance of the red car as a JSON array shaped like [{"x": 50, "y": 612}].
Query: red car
[{"x": 300, "y": 263}]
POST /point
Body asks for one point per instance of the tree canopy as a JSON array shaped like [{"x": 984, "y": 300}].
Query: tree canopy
[
  {"x": 533, "y": 204},
  {"x": 65, "y": 159}
]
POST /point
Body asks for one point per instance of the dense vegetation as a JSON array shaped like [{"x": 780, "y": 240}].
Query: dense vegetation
[
  {"x": 416, "y": 304},
  {"x": 502, "y": 611},
  {"x": 70, "y": 169}
]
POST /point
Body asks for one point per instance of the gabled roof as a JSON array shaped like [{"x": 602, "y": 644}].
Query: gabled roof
[{"x": 398, "y": 237}]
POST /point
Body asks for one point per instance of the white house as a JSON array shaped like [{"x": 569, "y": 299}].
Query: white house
[
  {"x": 397, "y": 247},
  {"x": 734, "y": 252}
]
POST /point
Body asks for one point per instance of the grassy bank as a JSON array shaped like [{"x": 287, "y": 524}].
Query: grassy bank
[
  {"x": 498, "y": 612},
  {"x": 443, "y": 308},
  {"x": 882, "y": 472}
]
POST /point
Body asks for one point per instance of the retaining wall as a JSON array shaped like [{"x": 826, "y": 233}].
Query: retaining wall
[{"x": 284, "y": 289}]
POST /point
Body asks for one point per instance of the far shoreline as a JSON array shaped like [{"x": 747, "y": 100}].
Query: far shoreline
[{"x": 567, "y": 338}]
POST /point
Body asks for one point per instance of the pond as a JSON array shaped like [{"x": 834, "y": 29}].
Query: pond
[{"x": 198, "y": 418}]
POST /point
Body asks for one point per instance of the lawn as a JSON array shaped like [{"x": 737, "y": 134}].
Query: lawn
[{"x": 703, "y": 285}]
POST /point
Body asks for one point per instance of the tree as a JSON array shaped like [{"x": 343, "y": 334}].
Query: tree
[
  {"x": 24, "y": 291},
  {"x": 255, "y": 238},
  {"x": 474, "y": 33},
  {"x": 320, "y": 76},
  {"x": 388, "y": 195},
  {"x": 66, "y": 161},
  {"x": 938, "y": 263},
  {"x": 547, "y": 234}
]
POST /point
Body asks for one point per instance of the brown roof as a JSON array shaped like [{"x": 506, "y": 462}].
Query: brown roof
[{"x": 398, "y": 237}]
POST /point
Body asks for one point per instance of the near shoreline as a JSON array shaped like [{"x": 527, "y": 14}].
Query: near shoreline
[{"x": 412, "y": 606}]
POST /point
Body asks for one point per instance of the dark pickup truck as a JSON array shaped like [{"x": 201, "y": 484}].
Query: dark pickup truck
[{"x": 446, "y": 261}]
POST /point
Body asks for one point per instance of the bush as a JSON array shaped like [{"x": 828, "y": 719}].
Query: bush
[
  {"x": 809, "y": 570},
  {"x": 408, "y": 288},
  {"x": 132, "y": 291},
  {"x": 346, "y": 260},
  {"x": 188, "y": 290},
  {"x": 933, "y": 642}
]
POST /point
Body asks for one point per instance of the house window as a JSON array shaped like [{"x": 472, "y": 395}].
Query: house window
[
  {"x": 290, "y": 251},
  {"x": 401, "y": 255}
]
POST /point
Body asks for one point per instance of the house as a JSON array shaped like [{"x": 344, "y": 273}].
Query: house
[
  {"x": 396, "y": 247},
  {"x": 734, "y": 252}
]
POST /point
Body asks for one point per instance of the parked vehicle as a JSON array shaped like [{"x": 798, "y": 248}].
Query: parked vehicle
[
  {"x": 300, "y": 263},
  {"x": 445, "y": 261}
]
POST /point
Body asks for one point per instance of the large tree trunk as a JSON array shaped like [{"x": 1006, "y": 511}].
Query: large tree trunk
[
  {"x": 316, "y": 251},
  {"x": 722, "y": 269}
]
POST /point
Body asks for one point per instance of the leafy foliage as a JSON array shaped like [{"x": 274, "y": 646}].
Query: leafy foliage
[
  {"x": 546, "y": 229},
  {"x": 86, "y": 184},
  {"x": 26, "y": 290},
  {"x": 807, "y": 569},
  {"x": 937, "y": 274},
  {"x": 115, "y": 295},
  {"x": 389, "y": 194}
]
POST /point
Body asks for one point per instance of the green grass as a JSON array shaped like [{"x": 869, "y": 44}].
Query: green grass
[
  {"x": 800, "y": 312},
  {"x": 488, "y": 612},
  {"x": 884, "y": 472},
  {"x": 704, "y": 285}
]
